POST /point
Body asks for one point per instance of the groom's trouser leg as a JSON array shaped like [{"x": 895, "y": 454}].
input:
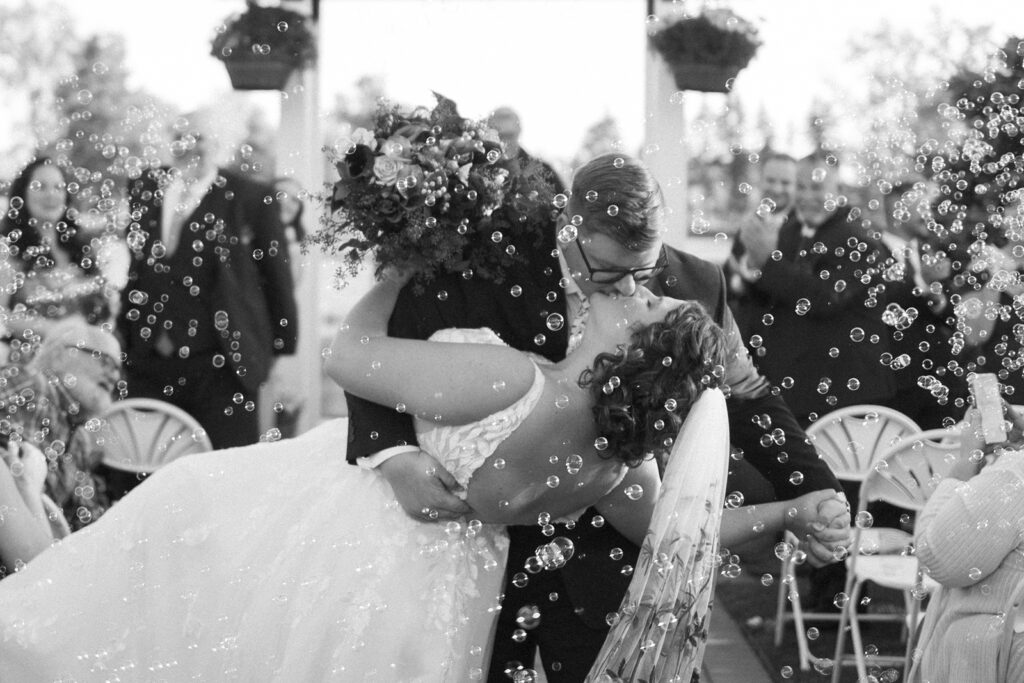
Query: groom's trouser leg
[{"x": 567, "y": 645}]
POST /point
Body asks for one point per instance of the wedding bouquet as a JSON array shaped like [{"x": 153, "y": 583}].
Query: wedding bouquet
[{"x": 432, "y": 191}]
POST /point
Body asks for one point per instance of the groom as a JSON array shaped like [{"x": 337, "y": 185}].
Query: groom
[{"x": 542, "y": 307}]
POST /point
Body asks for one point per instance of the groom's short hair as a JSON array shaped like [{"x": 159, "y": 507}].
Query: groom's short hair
[{"x": 618, "y": 196}]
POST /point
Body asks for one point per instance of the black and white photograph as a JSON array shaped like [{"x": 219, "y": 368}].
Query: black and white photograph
[{"x": 514, "y": 341}]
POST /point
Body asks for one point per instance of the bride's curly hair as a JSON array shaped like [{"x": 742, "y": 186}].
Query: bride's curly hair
[{"x": 643, "y": 392}]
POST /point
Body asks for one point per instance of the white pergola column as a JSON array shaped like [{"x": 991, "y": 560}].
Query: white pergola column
[
  {"x": 299, "y": 140},
  {"x": 665, "y": 148}
]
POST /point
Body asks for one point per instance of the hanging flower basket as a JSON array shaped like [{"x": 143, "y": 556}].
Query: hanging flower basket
[
  {"x": 705, "y": 51},
  {"x": 704, "y": 77},
  {"x": 262, "y": 47},
  {"x": 258, "y": 73}
]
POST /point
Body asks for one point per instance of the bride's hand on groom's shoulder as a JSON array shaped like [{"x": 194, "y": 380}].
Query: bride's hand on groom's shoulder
[{"x": 423, "y": 487}]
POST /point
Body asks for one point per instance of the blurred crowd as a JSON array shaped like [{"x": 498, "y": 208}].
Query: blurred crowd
[
  {"x": 182, "y": 290},
  {"x": 843, "y": 304}
]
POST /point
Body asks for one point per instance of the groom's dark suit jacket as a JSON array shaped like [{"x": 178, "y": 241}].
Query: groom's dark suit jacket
[{"x": 595, "y": 583}]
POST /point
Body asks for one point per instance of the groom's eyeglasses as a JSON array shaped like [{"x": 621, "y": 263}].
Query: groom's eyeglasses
[{"x": 607, "y": 276}]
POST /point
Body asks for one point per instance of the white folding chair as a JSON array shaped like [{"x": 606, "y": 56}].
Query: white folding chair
[
  {"x": 849, "y": 440},
  {"x": 141, "y": 435},
  {"x": 904, "y": 476}
]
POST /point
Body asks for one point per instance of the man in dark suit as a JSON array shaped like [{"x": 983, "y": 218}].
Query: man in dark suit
[
  {"x": 209, "y": 302},
  {"x": 819, "y": 301},
  {"x": 542, "y": 307}
]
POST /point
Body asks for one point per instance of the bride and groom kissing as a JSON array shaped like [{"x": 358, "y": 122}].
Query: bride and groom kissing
[{"x": 548, "y": 413}]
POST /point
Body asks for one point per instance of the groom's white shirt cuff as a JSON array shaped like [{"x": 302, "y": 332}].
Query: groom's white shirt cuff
[{"x": 372, "y": 462}]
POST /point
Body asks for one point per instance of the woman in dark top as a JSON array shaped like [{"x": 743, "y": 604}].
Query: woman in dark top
[{"x": 48, "y": 271}]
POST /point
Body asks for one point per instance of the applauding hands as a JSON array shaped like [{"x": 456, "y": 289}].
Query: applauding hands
[{"x": 760, "y": 237}]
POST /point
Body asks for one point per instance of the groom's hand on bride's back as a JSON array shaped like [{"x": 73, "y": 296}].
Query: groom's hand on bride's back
[{"x": 423, "y": 487}]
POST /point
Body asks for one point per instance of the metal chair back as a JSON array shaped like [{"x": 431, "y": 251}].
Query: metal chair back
[{"x": 142, "y": 435}]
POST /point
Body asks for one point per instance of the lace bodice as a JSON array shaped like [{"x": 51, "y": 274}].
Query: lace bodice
[{"x": 462, "y": 449}]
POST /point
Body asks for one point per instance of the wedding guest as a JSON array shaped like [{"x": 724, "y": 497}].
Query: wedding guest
[
  {"x": 776, "y": 209},
  {"x": 25, "y": 530},
  {"x": 68, "y": 381},
  {"x": 824, "y": 335},
  {"x": 50, "y": 271},
  {"x": 506, "y": 121},
  {"x": 968, "y": 538},
  {"x": 209, "y": 305},
  {"x": 915, "y": 285}
]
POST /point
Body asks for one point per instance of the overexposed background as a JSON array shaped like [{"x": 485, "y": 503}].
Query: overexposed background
[{"x": 563, "y": 64}]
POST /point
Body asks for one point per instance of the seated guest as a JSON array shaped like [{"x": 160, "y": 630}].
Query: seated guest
[
  {"x": 969, "y": 540},
  {"x": 25, "y": 528},
  {"x": 68, "y": 381},
  {"x": 50, "y": 271}
]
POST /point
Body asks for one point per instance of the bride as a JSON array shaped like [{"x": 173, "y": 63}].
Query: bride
[{"x": 280, "y": 562}]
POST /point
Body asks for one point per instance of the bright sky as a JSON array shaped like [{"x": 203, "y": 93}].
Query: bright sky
[{"x": 563, "y": 64}]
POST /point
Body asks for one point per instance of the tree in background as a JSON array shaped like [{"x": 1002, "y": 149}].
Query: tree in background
[
  {"x": 723, "y": 166},
  {"x": 903, "y": 84},
  {"x": 109, "y": 132},
  {"x": 822, "y": 124},
  {"x": 984, "y": 172},
  {"x": 37, "y": 44},
  {"x": 78, "y": 106}
]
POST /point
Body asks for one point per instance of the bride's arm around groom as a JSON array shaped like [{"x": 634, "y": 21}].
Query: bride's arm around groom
[{"x": 454, "y": 384}]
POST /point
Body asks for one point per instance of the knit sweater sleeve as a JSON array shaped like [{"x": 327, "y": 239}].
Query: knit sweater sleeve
[{"x": 967, "y": 528}]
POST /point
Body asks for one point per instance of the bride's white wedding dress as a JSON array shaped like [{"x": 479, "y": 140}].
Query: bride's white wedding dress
[
  {"x": 281, "y": 562},
  {"x": 273, "y": 562}
]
